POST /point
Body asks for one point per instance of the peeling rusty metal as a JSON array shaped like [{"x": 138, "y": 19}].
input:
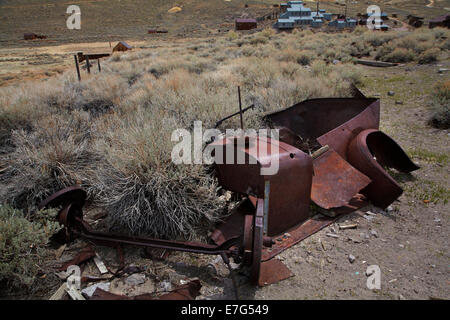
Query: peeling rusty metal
[
  {"x": 296, "y": 235},
  {"x": 335, "y": 181},
  {"x": 369, "y": 152},
  {"x": 273, "y": 271},
  {"x": 329, "y": 121},
  {"x": 84, "y": 255},
  {"x": 257, "y": 245},
  {"x": 344, "y": 172},
  {"x": 290, "y": 186}
]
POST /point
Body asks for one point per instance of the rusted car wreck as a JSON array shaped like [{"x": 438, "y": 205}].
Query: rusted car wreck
[{"x": 331, "y": 153}]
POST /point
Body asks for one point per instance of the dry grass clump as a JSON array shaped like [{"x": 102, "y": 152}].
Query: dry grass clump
[
  {"x": 440, "y": 106},
  {"x": 112, "y": 132},
  {"x": 422, "y": 45},
  {"x": 23, "y": 242}
]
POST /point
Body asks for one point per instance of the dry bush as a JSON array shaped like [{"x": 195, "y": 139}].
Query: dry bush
[
  {"x": 429, "y": 56},
  {"x": 112, "y": 131},
  {"x": 23, "y": 242},
  {"x": 56, "y": 154},
  {"x": 399, "y": 55},
  {"x": 440, "y": 106}
]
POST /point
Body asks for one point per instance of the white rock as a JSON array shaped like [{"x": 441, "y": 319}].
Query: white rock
[
  {"x": 165, "y": 285},
  {"x": 89, "y": 291},
  {"x": 351, "y": 258},
  {"x": 135, "y": 279}
]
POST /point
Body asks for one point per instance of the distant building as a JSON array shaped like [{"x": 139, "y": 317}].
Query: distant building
[
  {"x": 294, "y": 13},
  {"x": 285, "y": 24},
  {"x": 442, "y": 21},
  {"x": 122, "y": 46},
  {"x": 343, "y": 23},
  {"x": 245, "y": 24}
]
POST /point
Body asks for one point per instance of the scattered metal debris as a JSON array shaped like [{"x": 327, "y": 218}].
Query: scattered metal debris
[
  {"x": 330, "y": 152},
  {"x": 185, "y": 292},
  {"x": 84, "y": 255}
]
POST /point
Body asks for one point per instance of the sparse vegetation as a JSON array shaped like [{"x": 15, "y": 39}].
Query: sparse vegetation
[
  {"x": 112, "y": 132},
  {"x": 23, "y": 245},
  {"x": 440, "y": 105}
]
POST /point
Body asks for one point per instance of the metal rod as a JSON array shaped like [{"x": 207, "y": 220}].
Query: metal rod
[
  {"x": 234, "y": 114},
  {"x": 99, "y": 67},
  {"x": 240, "y": 108},
  {"x": 77, "y": 67},
  {"x": 266, "y": 204},
  {"x": 87, "y": 64}
]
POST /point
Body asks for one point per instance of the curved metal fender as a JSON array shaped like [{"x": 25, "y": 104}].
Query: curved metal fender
[{"x": 368, "y": 152}]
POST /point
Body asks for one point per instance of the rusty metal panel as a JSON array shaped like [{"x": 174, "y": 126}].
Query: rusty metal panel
[
  {"x": 335, "y": 181},
  {"x": 339, "y": 138},
  {"x": 311, "y": 119},
  {"x": 296, "y": 235},
  {"x": 290, "y": 187},
  {"x": 273, "y": 271},
  {"x": 368, "y": 152}
]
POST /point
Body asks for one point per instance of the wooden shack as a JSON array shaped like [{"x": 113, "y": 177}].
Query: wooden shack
[
  {"x": 414, "y": 21},
  {"x": 33, "y": 36},
  {"x": 122, "y": 46},
  {"x": 245, "y": 24},
  {"x": 442, "y": 21}
]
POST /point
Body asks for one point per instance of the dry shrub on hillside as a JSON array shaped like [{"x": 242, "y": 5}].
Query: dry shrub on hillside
[
  {"x": 112, "y": 131},
  {"x": 440, "y": 106}
]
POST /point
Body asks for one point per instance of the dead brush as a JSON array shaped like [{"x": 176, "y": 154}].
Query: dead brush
[{"x": 46, "y": 160}]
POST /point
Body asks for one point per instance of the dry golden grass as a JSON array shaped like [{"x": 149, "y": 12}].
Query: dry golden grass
[{"x": 111, "y": 132}]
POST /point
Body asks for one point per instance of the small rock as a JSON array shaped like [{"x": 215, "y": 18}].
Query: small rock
[
  {"x": 368, "y": 218},
  {"x": 364, "y": 235},
  {"x": 351, "y": 258},
  {"x": 400, "y": 297},
  {"x": 355, "y": 240},
  {"x": 393, "y": 280},
  {"x": 135, "y": 279},
  {"x": 390, "y": 208},
  {"x": 332, "y": 235},
  {"x": 336, "y": 61},
  {"x": 374, "y": 233},
  {"x": 437, "y": 220},
  {"x": 401, "y": 245},
  {"x": 165, "y": 285},
  {"x": 391, "y": 93},
  {"x": 370, "y": 213},
  {"x": 442, "y": 70}
]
